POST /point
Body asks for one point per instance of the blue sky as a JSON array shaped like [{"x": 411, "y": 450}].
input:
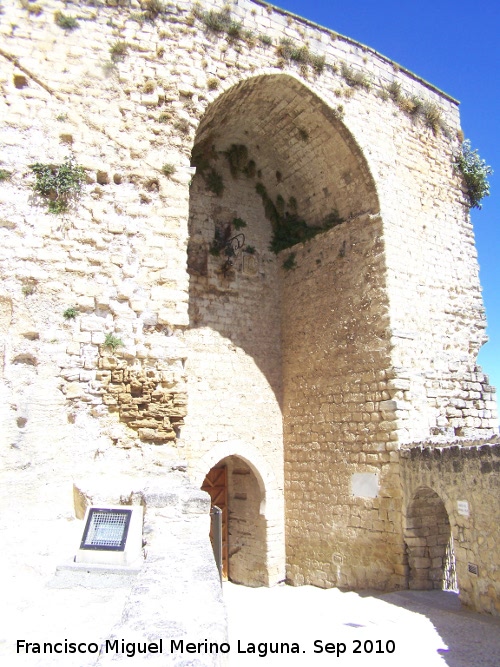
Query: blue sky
[{"x": 454, "y": 45}]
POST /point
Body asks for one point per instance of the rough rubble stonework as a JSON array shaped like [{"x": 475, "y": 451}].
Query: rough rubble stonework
[{"x": 299, "y": 370}]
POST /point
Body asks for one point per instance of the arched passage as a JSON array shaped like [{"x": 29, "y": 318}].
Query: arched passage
[
  {"x": 429, "y": 543},
  {"x": 285, "y": 347},
  {"x": 233, "y": 486},
  {"x": 266, "y": 147}
]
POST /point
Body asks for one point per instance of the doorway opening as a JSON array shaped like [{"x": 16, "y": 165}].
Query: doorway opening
[
  {"x": 429, "y": 543},
  {"x": 234, "y": 488}
]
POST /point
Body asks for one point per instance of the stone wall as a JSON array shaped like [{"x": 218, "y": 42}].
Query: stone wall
[
  {"x": 234, "y": 344},
  {"x": 338, "y": 413},
  {"x": 177, "y": 594},
  {"x": 321, "y": 359},
  {"x": 464, "y": 479}
]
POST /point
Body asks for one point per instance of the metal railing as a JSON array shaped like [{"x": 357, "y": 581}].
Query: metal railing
[{"x": 216, "y": 534}]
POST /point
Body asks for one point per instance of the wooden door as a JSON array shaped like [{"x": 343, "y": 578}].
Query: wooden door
[{"x": 215, "y": 484}]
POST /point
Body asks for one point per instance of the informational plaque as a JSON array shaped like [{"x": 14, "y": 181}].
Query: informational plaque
[
  {"x": 112, "y": 535},
  {"x": 463, "y": 507},
  {"x": 364, "y": 484},
  {"x": 106, "y": 529}
]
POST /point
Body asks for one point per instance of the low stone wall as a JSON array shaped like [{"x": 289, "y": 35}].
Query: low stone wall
[{"x": 177, "y": 594}]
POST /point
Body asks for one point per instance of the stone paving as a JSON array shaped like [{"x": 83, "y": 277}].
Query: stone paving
[{"x": 427, "y": 627}]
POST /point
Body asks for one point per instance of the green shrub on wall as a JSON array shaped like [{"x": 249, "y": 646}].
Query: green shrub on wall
[
  {"x": 290, "y": 52},
  {"x": 222, "y": 22},
  {"x": 288, "y": 227},
  {"x": 58, "y": 185},
  {"x": 112, "y": 342},
  {"x": 70, "y": 313},
  {"x": 66, "y": 22},
  {"x": 475, "y": 172}
]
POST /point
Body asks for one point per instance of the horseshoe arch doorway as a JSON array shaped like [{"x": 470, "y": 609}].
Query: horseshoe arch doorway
[{"x": 234, "y": 488}]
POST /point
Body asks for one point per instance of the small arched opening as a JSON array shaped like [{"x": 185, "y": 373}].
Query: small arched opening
[
  {"x": 429, "y": 543},
  {"x": 234, "y": 487}
]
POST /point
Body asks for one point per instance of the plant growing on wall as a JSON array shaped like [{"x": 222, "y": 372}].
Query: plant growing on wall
[
  {"x": 475, "y": 172},
  {"x": 289, "y": 264},
  {"x": 237, "y": 157},
  {"x": 432, "y": 117},
  {"x": 29, "y": 287},
  {"x": 288, "y": 227},
  {"x": 112, "y": 341},
  {"x": 118, "y": 50},
  {"x": 32, "y": 7},
  {"x": 288, "y": 51},
  {"x": 222, "y": 22},
  {"x": 165, "y": 117},
  {"x": 59, "y": 185},
  {"x": 151, "y": 10},
  {"x": 168, "y": 169},
  {"x": 202, "y": 156},
  {"x": 182, "y": 125},
  {"x": 354, "y": 78},
  {"x": 416, "y": 107},
  {"x": 265, "y": 39},
  {"x": 70, "y": 313},
  {"x": 213, "y": 181},
  {"x": 66, "y": 22}
]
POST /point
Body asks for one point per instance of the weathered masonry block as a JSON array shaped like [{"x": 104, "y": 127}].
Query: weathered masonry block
[{"x": 268, "y": 265}]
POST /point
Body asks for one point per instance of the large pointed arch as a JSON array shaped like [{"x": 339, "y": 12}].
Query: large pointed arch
[
  {"x": 290, "y": 128},
  {"x": 261, "y": 337}
]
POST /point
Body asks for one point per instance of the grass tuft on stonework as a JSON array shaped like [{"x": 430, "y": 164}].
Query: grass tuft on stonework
[{"x": 66, "y": 22}]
